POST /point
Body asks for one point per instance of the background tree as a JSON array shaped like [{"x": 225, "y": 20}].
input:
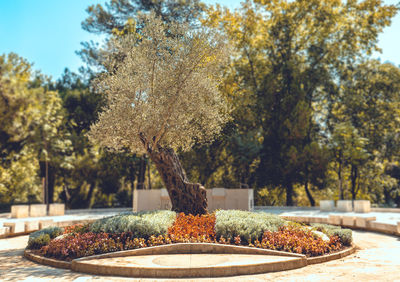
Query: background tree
[
  {"x": 31, "y": 132},
  {"x": 161, "y": 97},
  {"x": 288, "y": 58},
  {"x": 365, "y": 116}
]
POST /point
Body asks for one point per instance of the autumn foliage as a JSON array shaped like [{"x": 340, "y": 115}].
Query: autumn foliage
[
  {"x": 297, "y": 240},
  {"x": 193, "y": 228}
]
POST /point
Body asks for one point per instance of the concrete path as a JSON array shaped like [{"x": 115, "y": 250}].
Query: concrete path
[{"x": 377, "y": 260}]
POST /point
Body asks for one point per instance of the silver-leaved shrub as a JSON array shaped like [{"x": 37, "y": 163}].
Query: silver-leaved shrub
[
  {"x": 141, "y": 224},
  {"x": 248, "y": 225}
]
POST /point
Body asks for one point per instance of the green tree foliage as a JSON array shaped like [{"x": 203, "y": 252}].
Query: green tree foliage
[
  {"x": 365, "y": 120},
  {"x": 31, "y": 131},
  {"x": 288, "y": 58},
  {"x": 98, "y": 177}
]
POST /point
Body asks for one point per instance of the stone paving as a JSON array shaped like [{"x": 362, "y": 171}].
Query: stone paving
[{"x": 377, "y": 260}]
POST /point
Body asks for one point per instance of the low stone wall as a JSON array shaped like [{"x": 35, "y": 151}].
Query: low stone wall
[
  {"x": 218, "y": 198},
  {"x": 367, "y": 223},
  {"x": 37, "y": 210}
]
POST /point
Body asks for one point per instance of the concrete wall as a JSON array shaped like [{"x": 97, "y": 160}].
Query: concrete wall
[{"x": 218, "y": 198}]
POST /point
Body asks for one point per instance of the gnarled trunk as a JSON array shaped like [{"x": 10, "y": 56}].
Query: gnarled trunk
[{"x": 185, "y": 196}]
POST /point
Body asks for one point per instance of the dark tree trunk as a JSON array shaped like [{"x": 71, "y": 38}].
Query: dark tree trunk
[
  {"x": 47, "y": 171},
  {"x": 52, "y": 180},
  {"x": 185, "y": 197},
  {"x": 354, "y": 176},
  {"x": 341, "y": 190},
  {"x": 289, "y": 194},
  {"x": 142, "y": 173},
  {"x": 309, "y": 195}
]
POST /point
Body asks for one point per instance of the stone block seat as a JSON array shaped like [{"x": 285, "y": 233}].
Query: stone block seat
[
  {"x": 37, "y": 210},
  {"x": 19, "y": 211},
  {"x": 327, "y": 205},
  {"x": 362, "y": 206},
  {"x": 56, "y": 209},
  {"x": 344, "y": 206}
]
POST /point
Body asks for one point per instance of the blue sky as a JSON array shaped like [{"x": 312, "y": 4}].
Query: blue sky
[{"x": 48, "y": 32}]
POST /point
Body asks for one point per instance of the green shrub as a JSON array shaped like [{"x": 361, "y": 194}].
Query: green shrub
[
  {"x": 247, "y": 225},
  {"x": 38, "y": 242},
  {"x": 345, "y": 235},
  {"x": 42, "y": 237},
  {"x": 142, "y": 224}
]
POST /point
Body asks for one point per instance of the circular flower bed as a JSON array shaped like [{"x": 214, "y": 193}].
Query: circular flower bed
[{"x": 139, "y": 230}]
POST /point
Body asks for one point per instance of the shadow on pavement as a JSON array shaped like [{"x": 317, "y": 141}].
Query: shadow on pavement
[{"x": 14, "y": 267}]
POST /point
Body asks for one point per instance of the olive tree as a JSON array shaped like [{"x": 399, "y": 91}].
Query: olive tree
[{"x": 162, "y": 96}]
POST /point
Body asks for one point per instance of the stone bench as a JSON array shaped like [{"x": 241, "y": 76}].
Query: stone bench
[
  {"x": 335, "y": 219},
  {"x": 348, "y": 221},
  {"x": 327, "y": 205},
  {"x": 364, "y": 222},
  {"x": 383, "y": 227},
  {"x": 56, "y": 209},
  {"x": 37, "y": 210},
  {"x": 46, "y": 223},
  {"x": 15, "y": 227},
  {"x": 31, "y": 226},
  {"x": 344, "y": 206},
  {"x": 19, "y": 211},
  {"x": 4, "y": 231},
  {"x": 314, "y": 219},
  {"x": 362, "y": 206}
]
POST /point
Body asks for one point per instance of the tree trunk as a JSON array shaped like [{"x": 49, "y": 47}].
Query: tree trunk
[
  {"x": 185, "y": 197},
  {"x": 90, "y": 195},
  {"x": 309, "y": 195},
  {"x": 47, "y": 171},
  {"x": 52, "y": 181},
  {"x": 354, "y": 176},
  {"x": 340, "y": 181},
  {"x": 142, "y": 173},
  {"x": 289, "y": 194}
]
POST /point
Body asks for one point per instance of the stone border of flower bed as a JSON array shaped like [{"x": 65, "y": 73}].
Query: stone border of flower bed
[{"x": 83, "y": 265}]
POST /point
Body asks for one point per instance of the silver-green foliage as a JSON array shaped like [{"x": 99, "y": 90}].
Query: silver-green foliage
[
  {"x": 345, "y": 235},
  {"x": 248, "y": 225},
  {"x": 142, "y": 224},
  {"x": 162, "y": 87},
  {"x": 42, "y": 237}
]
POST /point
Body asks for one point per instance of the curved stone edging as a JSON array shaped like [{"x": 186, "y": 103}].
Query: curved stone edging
[
  {"x": 46, "y": 261},
  {"x": 84, "y": 264},
  {"x": 314, "y": 260}
]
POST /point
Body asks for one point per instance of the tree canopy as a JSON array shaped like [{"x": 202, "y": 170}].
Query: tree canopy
[{"x": 164, "y": 92}]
